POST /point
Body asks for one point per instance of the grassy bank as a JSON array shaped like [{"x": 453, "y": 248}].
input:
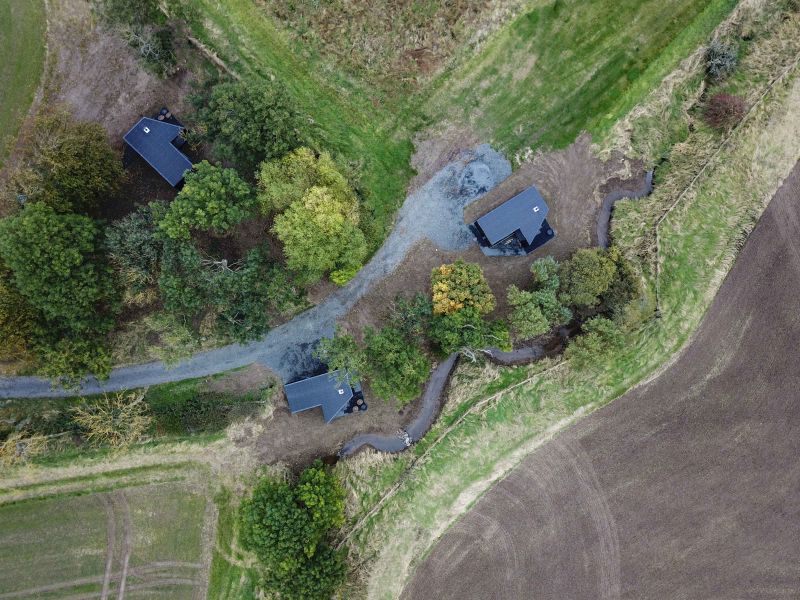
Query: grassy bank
[
  {"x": 569, "y": 66},
  {"x": 699, "y": 241},
  {"x": 22, "y": 29}
]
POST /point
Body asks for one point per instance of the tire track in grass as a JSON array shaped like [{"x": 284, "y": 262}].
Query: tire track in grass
[
  {"x": 111, "y": 533},
  {"x": 126, "y": 543}
]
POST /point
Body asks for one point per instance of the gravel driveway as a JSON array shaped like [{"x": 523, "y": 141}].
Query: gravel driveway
[{"x": 435, "y": 211}]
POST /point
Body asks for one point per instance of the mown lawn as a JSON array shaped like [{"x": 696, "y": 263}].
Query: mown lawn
[
  {"x": 570, "y": 65},
  {"x": 57, "y": 545},
  {"x": 22, "y": 27}
]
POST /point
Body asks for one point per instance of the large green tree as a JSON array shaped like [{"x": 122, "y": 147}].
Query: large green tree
[
  {"x": 57, "y": 266},
  {"x": 395, "y": 366},
  {"x": 212, "y": 199},
  {"x": 289, "y": 527},
  {"x": 248, "y": 122},
  {"x": 585, "y": 277},
  {"x": 320, "y": 234},
  {"x": 69, "y": 164},
  {"x": 286, "y": 180}
]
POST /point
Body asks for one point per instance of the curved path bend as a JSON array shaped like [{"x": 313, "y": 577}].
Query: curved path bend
[
  {"x": 687, "y": 487},
  {"x": 435, "y": 212}
]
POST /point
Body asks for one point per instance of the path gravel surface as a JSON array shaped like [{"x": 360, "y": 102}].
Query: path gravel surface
[
  {"x": 687, "y": 487},
  {"x": 434, "y": 211}
]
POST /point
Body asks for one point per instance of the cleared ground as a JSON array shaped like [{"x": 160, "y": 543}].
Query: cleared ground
[
  {"x": 133, "y": 542},
  {"x": 688, "y": 487},
  {"x": 22, "y": 27}
]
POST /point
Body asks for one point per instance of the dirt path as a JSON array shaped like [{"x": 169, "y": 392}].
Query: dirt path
[{"x": 688, "y": 487}]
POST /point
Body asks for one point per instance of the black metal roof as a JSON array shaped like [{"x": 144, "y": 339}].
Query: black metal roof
[
  {"x": 525, "y": 213},
  {"x": 152, "y": 140},
  {"x": 323, "y": 390}
]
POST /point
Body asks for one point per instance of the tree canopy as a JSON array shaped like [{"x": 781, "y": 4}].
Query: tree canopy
[
  {"x": 320, "y": 234},
  {"x": 460, "y": 285},
  {"x": 69, "y": 164},
  {"x": 212, "y": 199},
  {"x": 248, "y": 122},
  {"x": 585, "y": 277},
  {"x": 467, "y": 331},
  {"x": 395, "y": 366},
  {"x": 56, "y": 266},
  {"x": 288, "y": 526},
  {"x": 285, "y": 181}
]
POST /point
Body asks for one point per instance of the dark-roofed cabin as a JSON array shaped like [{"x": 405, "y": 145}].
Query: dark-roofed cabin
[
  {"x": 516, "y": 227},
  {"x": 336, "y": 398},
  {"x": 157, "y": 143}
]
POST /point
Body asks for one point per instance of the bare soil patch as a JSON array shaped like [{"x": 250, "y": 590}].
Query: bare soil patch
[
  {"x": 686, "y": 487},
  {"x": 573, "y": 181},
  {"x": 98, "y": 75}
]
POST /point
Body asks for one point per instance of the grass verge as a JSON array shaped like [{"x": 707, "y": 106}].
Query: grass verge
[
  {"x": 22, "y": 49},
  {"x": 568, "y": 66}
]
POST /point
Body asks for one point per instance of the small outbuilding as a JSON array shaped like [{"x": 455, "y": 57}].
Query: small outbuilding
[
  {"x": 516, "y": 227},
  {"x": 157, "y": 142},
  {"x": 331, "y": 391}
]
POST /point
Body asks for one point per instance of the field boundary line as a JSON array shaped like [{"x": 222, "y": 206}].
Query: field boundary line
[
  {"x": 723, "y": 145},
  {"x": 474, "y": 409}
]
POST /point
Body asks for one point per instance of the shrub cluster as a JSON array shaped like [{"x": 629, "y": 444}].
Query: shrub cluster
[{"x": 289, "y": 526}]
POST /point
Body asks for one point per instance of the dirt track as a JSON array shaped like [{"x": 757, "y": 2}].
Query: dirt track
[{"x": 688, "y": 487}]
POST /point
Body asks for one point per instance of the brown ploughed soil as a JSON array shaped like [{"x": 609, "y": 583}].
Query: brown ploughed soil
[{"x": 687, "y": 487}]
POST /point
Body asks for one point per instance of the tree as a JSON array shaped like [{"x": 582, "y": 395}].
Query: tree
[
  {"x": 725, "y": 111},
  {"x": 212, "y": 199},
  {"x": 619, "y": 300},
  {"x": 288, "y": 526},
  {"x": 18, "y": 448},
  {"x": 117, "y": 420},
  {"x": 458, "y": 286},
  {"x": 320, "y": 234},
  {"x": 68, "y": 360},
  {"x": 585, "y": 277},
  {"x": 248, "y": 122},
  {"x": 134, "y": 248},
  {"x": 600, "y": 336},
  {"x": 467, "y": 331},
  {"x": 57, "y": 267},
  {"x": 721, "y": 60},
  {"x": 182, "y": 282},
  {"x": 285, "y": 181},
  {"x": 527, "y": 320},
  {"x": 545, "y": 274},
  {"x": 69, "y": 164},
  {"x": 342, "y": 353},
  {"x": 17, "y": 323},
  {"x": 395, "y": 367},
  {"x": 412, "y": 316}
]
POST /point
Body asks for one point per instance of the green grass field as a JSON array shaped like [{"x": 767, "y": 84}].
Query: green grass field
[
  {"x": 569, "y": 66},
  {"x": 699, "y": 242},
  {"x": 148, "y": 537},
  {"x": 22, "y": 28}
]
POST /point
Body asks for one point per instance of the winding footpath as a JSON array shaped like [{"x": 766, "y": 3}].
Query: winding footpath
[{"x": 435, "y": 212}]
